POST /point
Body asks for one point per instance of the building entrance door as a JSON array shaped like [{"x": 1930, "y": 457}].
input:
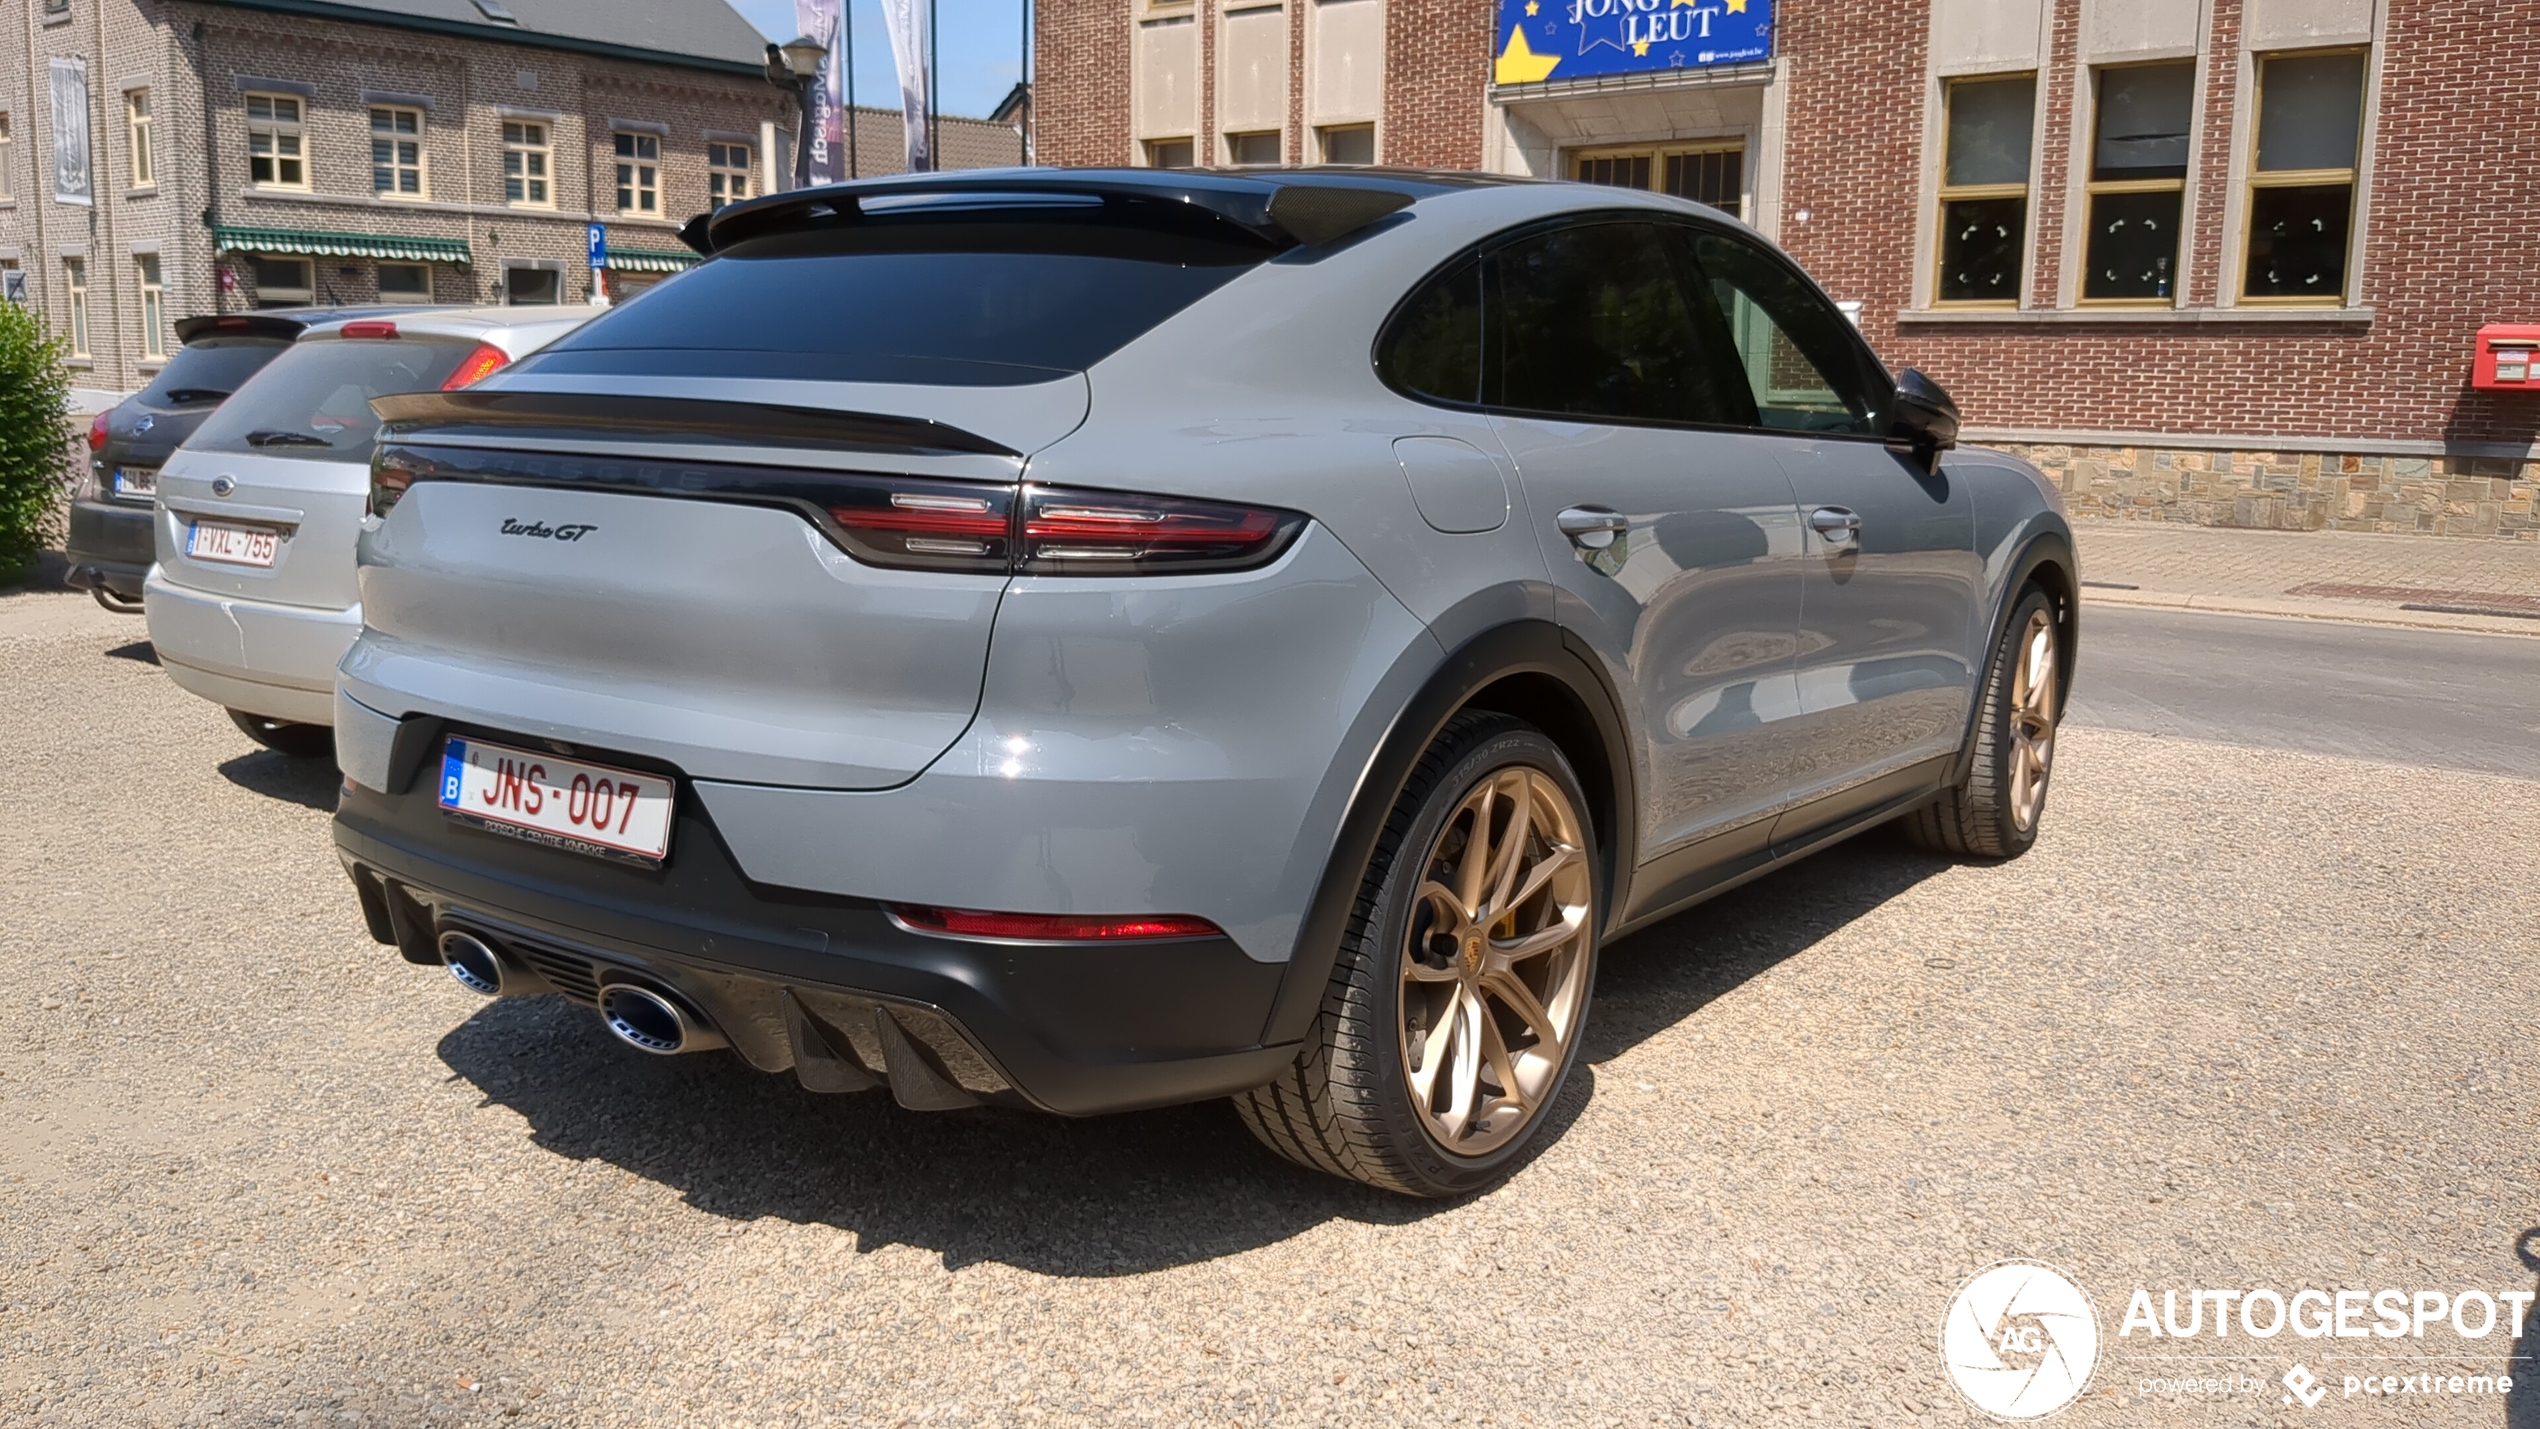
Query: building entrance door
[{"x": 1712, "y": 171}]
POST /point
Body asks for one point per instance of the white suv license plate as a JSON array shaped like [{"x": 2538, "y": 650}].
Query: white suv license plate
[
  {"x": 563, "y": 803},
  {"x": 231, "y": 545}
]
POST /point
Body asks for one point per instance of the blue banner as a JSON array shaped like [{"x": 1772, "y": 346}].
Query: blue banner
[{"x": 1552, "y": 40}]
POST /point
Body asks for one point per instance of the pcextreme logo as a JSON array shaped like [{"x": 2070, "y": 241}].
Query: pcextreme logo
[{"x": 2020, "y": 1340}]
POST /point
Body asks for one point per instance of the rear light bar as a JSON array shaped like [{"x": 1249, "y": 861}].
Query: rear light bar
[
  {"x": 1051, "y": 927},
  {"x": 96, "y": 433},
  {"x": 479, "y": 364},
  {"x": 904, "y": 522},
  {"x": 368, "y": 329}
]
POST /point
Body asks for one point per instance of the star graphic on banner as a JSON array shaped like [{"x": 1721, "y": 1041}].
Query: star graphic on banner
[
  {"x": 1640, "y": 47},
  {"x": 1737, "y": 7},
  {"x": 1532, "y": 8},
  {"x": 1519, "y": 64}
]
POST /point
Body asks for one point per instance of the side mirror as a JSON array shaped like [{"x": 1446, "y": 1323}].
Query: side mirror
[{"x": 1925, "y": 422}]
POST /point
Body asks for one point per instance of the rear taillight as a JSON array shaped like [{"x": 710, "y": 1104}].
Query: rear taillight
[
  {"x": 1075, "y": 532},
  {"x": 96, "y": 433},
  {"x": 1060, "y": 531},
  {"x": 368, "y": 329},
  {"x": 476, "y": 366},
  {"x": 1052, "y": 927}
]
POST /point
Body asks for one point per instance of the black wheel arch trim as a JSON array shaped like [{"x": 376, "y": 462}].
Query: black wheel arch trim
[{"x": 1489, "y": 658}]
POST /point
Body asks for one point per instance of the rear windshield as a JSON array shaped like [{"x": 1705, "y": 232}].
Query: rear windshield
[
  {"x": 210, "y": 369},
  {"x": 314, "y": 400},
  {"x": 975, "y": 304}
]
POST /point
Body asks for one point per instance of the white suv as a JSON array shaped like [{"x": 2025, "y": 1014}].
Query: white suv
[{"x": 252, "y": 600}]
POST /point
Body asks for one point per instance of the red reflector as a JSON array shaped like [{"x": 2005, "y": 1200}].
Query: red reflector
[
  {"x": 1053, "y": 927},
  {"x": 96, "y": 433},
  {"x": 368, "y": 329},
  {"x": 475, "y": 366}
]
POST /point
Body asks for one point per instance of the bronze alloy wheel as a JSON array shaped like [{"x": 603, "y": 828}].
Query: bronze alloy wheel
[
  {"x": 2033, "y": 687},
  {"x": 1495, "y": 964},
  {"x": 1460, "y": 990}
]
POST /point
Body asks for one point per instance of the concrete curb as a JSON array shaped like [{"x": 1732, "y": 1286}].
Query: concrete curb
[{"x": 2351, "y": 612}]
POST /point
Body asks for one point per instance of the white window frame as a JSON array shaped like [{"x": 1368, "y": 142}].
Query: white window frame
[
  {"x": 1944, "y": 193},
  {"x": 423, "y": 157},
  {"x": 75, "y": 285},
  {"x": 275, "y": 130},
  {"x": 150, "y": 280},
  {"x": 727, "y": 176},
  {"x": 4, "y": 156},
  {"x": 541, "y": 149},
  {"x": 638, "y": 174},
  {"x": 136, "y": 131},
  {"x": 2248, "y": 178}
]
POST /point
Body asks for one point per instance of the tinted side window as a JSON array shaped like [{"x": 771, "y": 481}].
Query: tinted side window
[
  {"x": 1433, "y": 346},
  {"x": 1798, "y": 353},
  {"x": 1591, "y": 322}
]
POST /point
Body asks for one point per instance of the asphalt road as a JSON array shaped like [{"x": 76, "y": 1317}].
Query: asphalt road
[
  {"x": 2243, "y": 1018},
  {"x": 2432, "y": 698}
]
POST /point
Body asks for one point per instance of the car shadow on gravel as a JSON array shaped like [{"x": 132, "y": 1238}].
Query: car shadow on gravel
[
  {"x": 309, "y": 783},
  {"x": 1101, "y": 1196}
]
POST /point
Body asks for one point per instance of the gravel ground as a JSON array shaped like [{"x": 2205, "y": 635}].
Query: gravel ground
[{"x": 2243, "y": 1018}]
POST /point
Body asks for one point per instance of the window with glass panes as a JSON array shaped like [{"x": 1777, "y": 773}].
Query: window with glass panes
[
  {"x": 273, "y": 141},
  {"x": 154, "y": 307},
  {"x": 2138, "y": 183},
  {"x": 1712, "y": 173},
  {"x": 1988, "y": 132},
  {"x": 75, "y": 279},
  {"x": 136, "y": 122},
  {"x": 727, "y": 173},
  {"x": 526, "y": 164},
  {"x": 396, "y": 152},
  {"x": 2301, "y": 199},
  {"x": 4, "y": 156},
  {"x": 638, "y": 174}
]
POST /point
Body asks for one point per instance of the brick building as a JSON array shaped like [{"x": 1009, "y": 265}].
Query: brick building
[
  {"x": 246, "y": 152},
  {"x": 2211, "y": 260}
]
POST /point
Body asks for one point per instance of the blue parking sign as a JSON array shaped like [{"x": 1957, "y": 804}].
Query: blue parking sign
[{"x": 599, "y": 240}]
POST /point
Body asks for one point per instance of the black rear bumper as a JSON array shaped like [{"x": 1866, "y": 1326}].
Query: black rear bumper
[
  {"x": 110, "y": 548},
  {"x": 829, "y": 987}
]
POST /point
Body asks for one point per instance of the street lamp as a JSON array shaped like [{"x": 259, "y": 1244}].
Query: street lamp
[{"x": 795, "y": 65}]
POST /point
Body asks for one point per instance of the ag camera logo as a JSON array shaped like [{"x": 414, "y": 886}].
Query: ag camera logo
[{"x": 2020, "y": 1340}]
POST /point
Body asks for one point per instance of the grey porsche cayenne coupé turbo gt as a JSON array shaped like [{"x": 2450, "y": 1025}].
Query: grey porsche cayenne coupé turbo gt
[{"x": 1093, "y": 640}]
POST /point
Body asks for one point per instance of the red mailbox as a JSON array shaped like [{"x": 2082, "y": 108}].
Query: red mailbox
[{"x": 2508, "y": 357}]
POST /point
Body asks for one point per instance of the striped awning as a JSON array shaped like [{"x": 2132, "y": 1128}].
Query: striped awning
[
  {"x": 651, "y": 260},
  {"x": 339, "y": 245}
]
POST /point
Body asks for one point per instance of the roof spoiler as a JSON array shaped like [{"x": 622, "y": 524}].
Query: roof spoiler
[
  {"x": 1285, "y": 212},
  {"x": 204, "y": 325},
  {"x": 616, "y": 416}
]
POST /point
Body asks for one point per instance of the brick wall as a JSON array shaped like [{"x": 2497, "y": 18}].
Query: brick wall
[
  {"x": 1081, "y": 81},
  {"x": 1437, "y": 64}
]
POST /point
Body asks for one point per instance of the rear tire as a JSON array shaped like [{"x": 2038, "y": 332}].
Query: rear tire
[
  {"x": 298, "y": 741},
  {"x": 1458, "y": 1000},
  {"x": 1995, "y": 812}
]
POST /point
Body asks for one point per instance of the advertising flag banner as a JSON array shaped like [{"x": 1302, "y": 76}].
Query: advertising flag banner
[
  {"x": 825, "y": 21},
  {"x": 72, "y": 181},
  {"x": 906, "y": 20},
  {"x": 1548, "y": 41}
]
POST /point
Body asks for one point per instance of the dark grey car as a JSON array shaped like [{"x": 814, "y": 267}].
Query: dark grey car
[{"x": 111, "y": 540}]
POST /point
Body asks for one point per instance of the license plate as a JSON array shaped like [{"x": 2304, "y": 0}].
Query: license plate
[
  {"x": 232, "y": 545},
  {"x": 564, "y": 803},
  {"x": 138, "y": 483}
]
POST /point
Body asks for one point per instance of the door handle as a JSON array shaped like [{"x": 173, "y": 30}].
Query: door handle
[
  {"x": 1592, "y": 528},
  {"x": 1838, "y": 527}
]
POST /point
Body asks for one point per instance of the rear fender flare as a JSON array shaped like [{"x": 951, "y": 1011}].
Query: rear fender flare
[{"x": 1489, "y": 671}]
